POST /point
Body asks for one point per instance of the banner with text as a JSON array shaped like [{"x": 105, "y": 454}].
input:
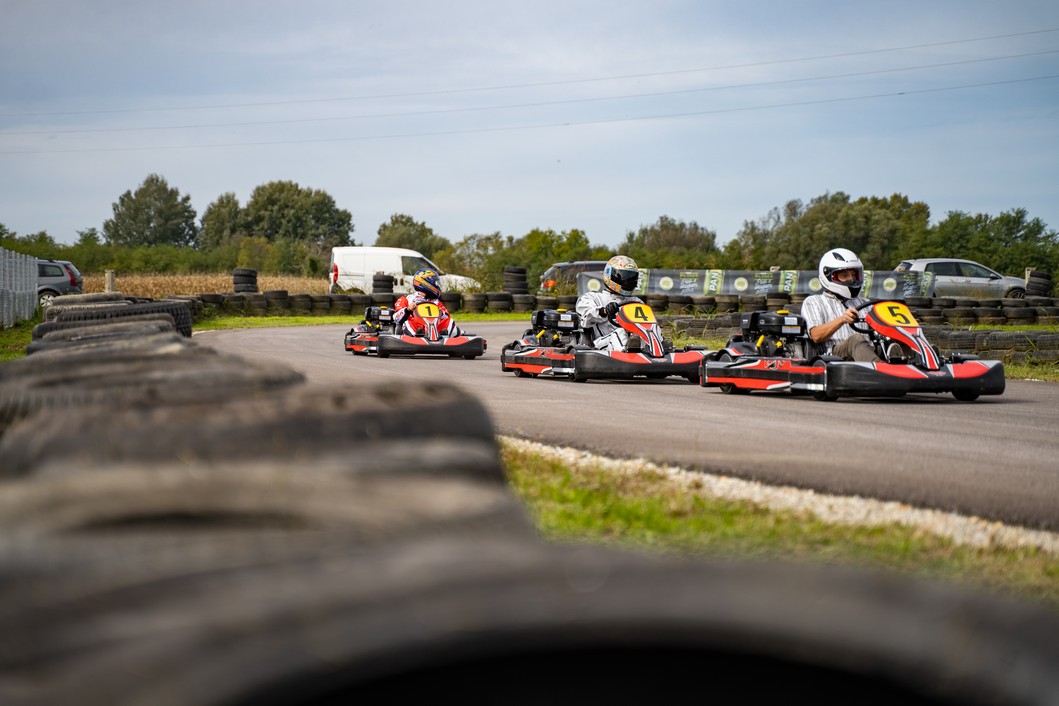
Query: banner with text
[{"x": 878, "y": 284}]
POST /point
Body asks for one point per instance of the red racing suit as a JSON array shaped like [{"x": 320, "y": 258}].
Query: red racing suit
[{"x": 406, "y": 322}]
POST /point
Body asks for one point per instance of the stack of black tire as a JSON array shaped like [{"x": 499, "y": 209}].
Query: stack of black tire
[
  {"x": 516, "y": 284},
  {"x": 244, "y": 280},
  {"x": 1038, "y": 284},
  {"x": 382, "y": 289},
  {"x": 278, "y": 300}
]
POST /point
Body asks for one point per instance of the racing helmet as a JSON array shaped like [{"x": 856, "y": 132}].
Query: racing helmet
[
  {"x": 427, "y": 282},
  {"x": 621, "y": 275},
  {"x": 833, "y": 262}
]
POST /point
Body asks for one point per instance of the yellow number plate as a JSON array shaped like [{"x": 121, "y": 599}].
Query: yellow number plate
[
  {"x": 428, "y": 311},
  {"x": 895, "y": 314},
  {"x": 640, "y": 313}
]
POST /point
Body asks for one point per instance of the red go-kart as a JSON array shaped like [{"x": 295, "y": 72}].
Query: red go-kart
[
  {"x": 771, "y": 354},
  {"x": 557, "y": 346},
  {"x": 379, "y": 335}
]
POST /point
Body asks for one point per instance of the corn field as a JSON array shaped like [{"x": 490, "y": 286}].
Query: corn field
[{"x": 160, "y": 286}]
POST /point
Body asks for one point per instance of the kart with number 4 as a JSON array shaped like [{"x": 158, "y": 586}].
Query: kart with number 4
[
  {"x": 556, "y": 345},
  {"x": 772, "y": 354},
  {"x": 379, "y": 335}
]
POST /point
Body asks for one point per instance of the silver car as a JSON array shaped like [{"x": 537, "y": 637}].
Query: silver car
[{"x": 952, "y": 277}]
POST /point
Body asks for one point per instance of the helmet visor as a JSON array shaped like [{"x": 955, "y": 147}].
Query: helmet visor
[{"x": 626, "y": 280}]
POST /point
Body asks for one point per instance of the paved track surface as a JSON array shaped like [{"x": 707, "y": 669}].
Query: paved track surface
[{"x": 997, "y": 458}]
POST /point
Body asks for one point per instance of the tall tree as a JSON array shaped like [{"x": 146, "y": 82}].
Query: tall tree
[
  {"x": 222, "y": 222},
  {"x": 154, "y": 214},
  {"x": 877, "y": 229},
  {"x": 402, "y": 231},
  {"x": 282, "y": 210},
  {"x": 670, "y": 243}
]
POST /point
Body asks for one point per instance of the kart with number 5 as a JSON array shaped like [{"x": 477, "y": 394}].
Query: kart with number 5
[{"x": 774, "y": 353}]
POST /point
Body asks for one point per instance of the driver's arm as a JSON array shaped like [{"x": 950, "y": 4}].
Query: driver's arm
[{"x": 826, "y": 330}]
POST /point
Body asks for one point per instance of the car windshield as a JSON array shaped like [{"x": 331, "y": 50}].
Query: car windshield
[{"x": 411, "y": 264}]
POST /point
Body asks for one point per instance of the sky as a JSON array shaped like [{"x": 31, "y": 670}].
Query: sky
[{"x": 484, "y": 116}]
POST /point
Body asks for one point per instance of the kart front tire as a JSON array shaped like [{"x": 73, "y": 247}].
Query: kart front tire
[{"x": 965, "y": 395}]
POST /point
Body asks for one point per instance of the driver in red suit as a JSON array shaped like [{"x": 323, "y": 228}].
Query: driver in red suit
[{"x": 426, "y": 288}]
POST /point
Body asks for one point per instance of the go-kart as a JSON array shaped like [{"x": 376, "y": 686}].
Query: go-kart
[
  {"x": 773, "y": 354},
  {"x": 379, "y": 335},
  {"x": 556, "y": 345}
]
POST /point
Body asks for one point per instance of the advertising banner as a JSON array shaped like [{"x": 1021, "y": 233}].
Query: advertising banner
[{"x": 878, "y": 284}]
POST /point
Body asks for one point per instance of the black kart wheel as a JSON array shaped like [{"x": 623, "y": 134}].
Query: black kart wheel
[
  {"x": 730, "y": 388},
  {"x": 965, "y": 395}
]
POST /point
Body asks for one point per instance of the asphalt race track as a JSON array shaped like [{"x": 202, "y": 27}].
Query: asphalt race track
[{"x": 996, "y": 458}]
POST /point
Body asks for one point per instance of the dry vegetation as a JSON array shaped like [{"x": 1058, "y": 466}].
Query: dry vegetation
[{"x": 160, "y": 286}]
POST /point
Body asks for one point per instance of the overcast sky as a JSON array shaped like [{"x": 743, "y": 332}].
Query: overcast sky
[{"x": 479, "y": 116}]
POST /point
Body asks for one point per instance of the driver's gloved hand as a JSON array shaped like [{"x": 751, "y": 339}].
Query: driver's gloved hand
[{"x": 609, "y": 310}]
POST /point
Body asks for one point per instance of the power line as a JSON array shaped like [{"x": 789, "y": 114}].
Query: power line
[
  {"x": 536, "y": 104},
  {"x": 538, "y": 84},
  {"x": 511, "y": 128}
]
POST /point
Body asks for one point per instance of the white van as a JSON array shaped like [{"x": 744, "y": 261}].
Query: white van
[{"x": 352, "y": 267}]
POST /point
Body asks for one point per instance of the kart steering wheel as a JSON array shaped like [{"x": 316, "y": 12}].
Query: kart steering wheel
[{"x": 859, "y": 326}]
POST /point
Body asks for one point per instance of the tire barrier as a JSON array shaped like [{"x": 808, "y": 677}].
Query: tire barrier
[
  {"x": 244, "y": 280},
  {"x": 515, "y": 280},
  {"x": 236, "y": 536}
]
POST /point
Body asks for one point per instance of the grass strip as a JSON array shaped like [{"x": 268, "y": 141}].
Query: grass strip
[{"x": 650, "y": 511}]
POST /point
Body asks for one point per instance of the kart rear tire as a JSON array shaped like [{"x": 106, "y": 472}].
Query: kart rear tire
[
  {"x": 383, "y": 354},
  {"x": 824, "y": 397},
  {"x": 966, "y": 395}
]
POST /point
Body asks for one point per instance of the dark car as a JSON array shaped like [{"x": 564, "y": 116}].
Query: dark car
[
  {"x": 563, "y": 275},
  {"x": 55, "y": 278}
]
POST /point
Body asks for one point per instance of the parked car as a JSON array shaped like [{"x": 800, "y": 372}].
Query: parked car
[
  {"x": 965, "y": 278},
  {"x": 55, "y": 278},
  {"x": 564, "y": 274}
]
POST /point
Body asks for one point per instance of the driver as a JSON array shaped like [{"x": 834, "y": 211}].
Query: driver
[
  {"x": 426, "y": 289},
  {"x": 828, "y": 314},
  {"x": 620, "y": 277}
]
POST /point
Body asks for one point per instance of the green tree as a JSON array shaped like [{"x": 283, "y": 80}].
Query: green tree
[
  {"x": 222, "y": 222},
  {"x": 282, "y": 210},
  {"x": 38, "y": 244},
  {"x": 1010, "y": 242},
  {"x": 89, "y": 252},
  {"x": 877, "y": 229},
  {"x": 672, "y": 244},
  {"x": 402, "y": 231},
  {"x": 479, "y": 256},
  {"x": 540, "y": 249},
  {"x": 154, "y": 214}
]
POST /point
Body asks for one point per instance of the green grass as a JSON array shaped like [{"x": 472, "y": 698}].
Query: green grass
[{"x": 650, "y": 512}]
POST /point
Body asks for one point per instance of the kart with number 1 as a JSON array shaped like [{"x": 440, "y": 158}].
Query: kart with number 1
[{"x": 379, "y": 334}]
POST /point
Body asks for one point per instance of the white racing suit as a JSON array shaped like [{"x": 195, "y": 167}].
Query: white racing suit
[{"x": 605, "y": 335}]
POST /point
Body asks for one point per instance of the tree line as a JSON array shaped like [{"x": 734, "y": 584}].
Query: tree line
[{"x": 285, "y": 228}]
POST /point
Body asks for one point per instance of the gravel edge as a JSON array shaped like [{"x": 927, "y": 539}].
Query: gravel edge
[{"x": 837, "y": 509}]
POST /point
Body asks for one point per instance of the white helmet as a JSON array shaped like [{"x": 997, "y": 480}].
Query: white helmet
[{"x": 835, "y": 261}]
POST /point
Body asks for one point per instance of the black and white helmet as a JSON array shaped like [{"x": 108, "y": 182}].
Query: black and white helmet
[{"x": 835, "y": 261}]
